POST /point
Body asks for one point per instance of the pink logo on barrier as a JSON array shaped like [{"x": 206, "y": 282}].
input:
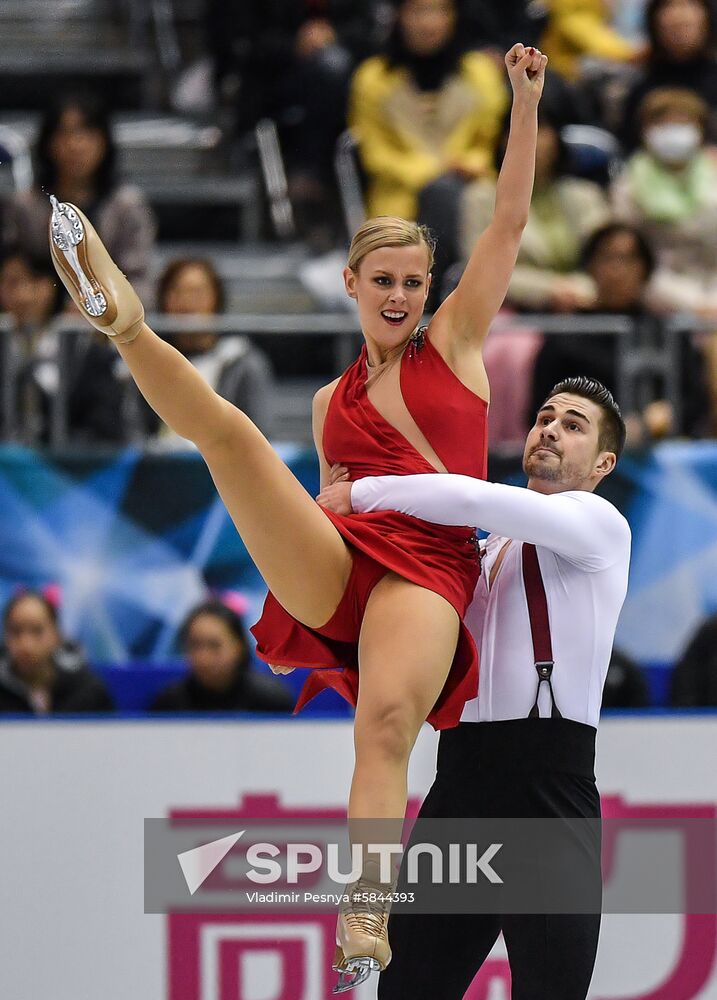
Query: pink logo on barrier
[
  {"x": 246, "y": 956},
  {"x": 288, "y": 957}
]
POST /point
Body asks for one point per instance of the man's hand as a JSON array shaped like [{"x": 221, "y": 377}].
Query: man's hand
[
  {"x": 336, "y": 498},
  {"x": 526, "y": 69},
  {"x": 339, "y": 474}
]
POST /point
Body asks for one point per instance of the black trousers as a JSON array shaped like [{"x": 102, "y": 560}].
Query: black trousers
[{"x": 524, "y": 768}]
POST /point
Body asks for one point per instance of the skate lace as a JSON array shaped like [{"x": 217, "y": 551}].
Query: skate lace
[{"x": 366, "y": 910}]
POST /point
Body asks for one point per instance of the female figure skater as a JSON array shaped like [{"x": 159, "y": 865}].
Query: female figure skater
[{"x": 381, "y": 590}]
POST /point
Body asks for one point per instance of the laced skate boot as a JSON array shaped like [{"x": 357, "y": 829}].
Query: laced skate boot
[
  {"x": 361, "y": 933},
  {"x": 95, "y": 283}
]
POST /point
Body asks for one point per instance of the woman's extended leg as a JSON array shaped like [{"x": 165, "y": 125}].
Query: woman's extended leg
[{"x": 302, "y": 557}]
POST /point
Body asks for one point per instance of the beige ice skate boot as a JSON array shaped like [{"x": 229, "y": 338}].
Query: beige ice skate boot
[
  {"x": 362, "y": 933},
  {"x": 95, "y": 283}
]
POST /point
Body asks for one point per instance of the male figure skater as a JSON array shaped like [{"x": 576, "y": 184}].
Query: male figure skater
[{"x": 526, "y": 746}]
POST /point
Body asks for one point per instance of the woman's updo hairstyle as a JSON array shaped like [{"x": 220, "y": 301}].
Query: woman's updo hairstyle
[{"x": 389, "y": 231}]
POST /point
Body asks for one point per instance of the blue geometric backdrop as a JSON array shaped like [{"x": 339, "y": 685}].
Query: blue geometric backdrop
[{"x": 134, "y": 540}]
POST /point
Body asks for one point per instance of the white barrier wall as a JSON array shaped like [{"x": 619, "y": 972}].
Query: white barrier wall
[{"x": 74, "y": 796}]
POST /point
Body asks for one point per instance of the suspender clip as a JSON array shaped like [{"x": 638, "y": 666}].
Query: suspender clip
[{"x": 545, "y": 669}]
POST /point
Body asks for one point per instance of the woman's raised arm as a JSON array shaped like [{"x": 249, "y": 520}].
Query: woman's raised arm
[{"x": 463, "y": 320}]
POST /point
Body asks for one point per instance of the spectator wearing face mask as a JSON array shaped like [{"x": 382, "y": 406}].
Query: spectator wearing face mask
[
  {"x": 681, "y": 55},
  {"x": 669, "y": 189}
]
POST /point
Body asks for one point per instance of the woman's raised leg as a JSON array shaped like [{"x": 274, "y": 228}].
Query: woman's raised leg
[{"x": 301, "y": 556}]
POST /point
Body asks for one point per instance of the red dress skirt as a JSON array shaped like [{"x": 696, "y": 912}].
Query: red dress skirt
[{"x": 442, "y": 559}]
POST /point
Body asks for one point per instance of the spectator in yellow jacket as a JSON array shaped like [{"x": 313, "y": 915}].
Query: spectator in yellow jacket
[
  {"x": 424, "y": 109},
  {"x": 578, "y": 29}
]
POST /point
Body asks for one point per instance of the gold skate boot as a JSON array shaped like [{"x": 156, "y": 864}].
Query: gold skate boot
[
  {"x": 362, "y": 933},
  {"x": 95, "y": 283}
]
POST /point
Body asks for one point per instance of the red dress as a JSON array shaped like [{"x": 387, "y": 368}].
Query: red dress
[{"x": 442, "y": 559}]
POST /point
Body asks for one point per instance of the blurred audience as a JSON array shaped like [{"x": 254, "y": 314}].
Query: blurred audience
[
  {"x": 625, "y": 684},
  {"x": 496, "y": 27},
  {"x": 104, "y": 408},
  {"x": 220, "y": 677},
  {"x": 30, "y": 295},
  {"x": 681, "y": 54},
  {"x": 580, "y": 29},
  {"x": 41, "y": 672},
  {"x": 75, "y": 159},
  {"x": 621, "y": 262},
  {"x": 231, "y": 364},
  {"x": 564, "y": 211},
  {"x": 97, "y": 380},
  {"x": 425, "y": 109},
  {"x": 101, "y": 390},
  {"x": 669, "y": 188},
  {"x": 292, "y": 61},
  {"x": 694, "y": 681}
]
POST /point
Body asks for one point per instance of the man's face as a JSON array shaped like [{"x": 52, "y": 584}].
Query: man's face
[{"x": 562, "y": 450}]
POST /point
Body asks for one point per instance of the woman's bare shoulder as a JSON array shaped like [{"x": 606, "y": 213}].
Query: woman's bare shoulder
[{"x": 322, "y": 396}]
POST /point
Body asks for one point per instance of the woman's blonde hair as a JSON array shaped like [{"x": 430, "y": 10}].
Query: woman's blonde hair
[{"x": 389, "y": 231}]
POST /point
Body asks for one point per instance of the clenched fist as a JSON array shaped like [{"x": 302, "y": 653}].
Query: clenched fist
[{"x": 526, "y": 69}]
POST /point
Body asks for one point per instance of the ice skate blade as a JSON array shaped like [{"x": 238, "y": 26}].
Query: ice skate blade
[
  {"x": 68, "y": 235},
  {"x": 359, "y": 969}
]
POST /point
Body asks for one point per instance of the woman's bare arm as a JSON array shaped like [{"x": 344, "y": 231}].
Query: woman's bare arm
[
  {"x": 464, "y": 318},
  {"x": 318, "y": 417}
]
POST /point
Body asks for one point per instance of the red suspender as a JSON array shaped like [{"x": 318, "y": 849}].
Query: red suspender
[{"x": 539, "y": 627}]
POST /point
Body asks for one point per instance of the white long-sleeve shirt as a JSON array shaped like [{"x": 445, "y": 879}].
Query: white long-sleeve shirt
[{"x": 583, "y": 546}]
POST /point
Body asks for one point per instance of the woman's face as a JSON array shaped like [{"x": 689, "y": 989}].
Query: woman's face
[
  {"x": 427, "y": 25},
  {"x": 192, "y": 291},
  {"x": 213, "y": 652},
  {"x": 390, "y": 289},
  {"x": 682, "y": 28},
  {"x": 31, "y": 637},
  {"x": 619, "y": 272},
  {"x": 76, "y": 148}
]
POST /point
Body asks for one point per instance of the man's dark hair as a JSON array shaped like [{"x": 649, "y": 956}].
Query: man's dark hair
[{"x": 612, "y": 432}]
